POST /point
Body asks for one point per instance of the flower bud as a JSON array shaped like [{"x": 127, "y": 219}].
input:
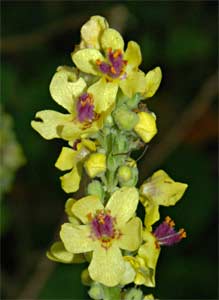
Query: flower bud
[
  {"x": 85, "y": 278},
  {"x": 96, "y": 291},
  {"x": 128, "y": 174},
  {"x": 124, "y": 173},
  {"x": 146, "y": 127},
  {"x": 95, "y": 165},
  {"x": 125, "y": 119},
  {"x": 95, "y": 188},
  {"x": 134, "y": 294}
]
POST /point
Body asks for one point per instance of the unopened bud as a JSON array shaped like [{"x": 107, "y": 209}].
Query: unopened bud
[
  {"x": 125, "y": 119},
  {"x": 146, "y": 127},
  {"x": 95, "y": 165}
]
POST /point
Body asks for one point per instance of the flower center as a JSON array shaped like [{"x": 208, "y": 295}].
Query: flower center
[
  {"x": 114, "y": 68},
  {"x": 167, "y": 235},
  {"x": 85, "y": 108},
  {"x": 103, "y": 228}
]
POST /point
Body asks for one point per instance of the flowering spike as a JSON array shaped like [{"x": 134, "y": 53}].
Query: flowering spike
[{"x": 105, "y": 121}]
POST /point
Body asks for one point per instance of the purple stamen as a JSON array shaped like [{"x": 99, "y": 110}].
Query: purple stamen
[
  {"x": 102, "y": 226},
  {"x": 167, "y": 235},
  {"x": 115, "y": 67},
  {"x": 85, "y": 108}
]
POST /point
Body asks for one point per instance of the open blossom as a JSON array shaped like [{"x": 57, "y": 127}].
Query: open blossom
[
  {"x": 69, "y": 91},
  {"x": 106, "y": 230},
  {"x": 116, "y": 68},
  {"x": 145, "y": 261}
]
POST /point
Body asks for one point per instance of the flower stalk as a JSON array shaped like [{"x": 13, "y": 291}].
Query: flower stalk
[{"x": 108, "y": 119}]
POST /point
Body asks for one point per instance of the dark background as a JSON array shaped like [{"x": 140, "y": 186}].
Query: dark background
[{"x": 179, "y": 36}]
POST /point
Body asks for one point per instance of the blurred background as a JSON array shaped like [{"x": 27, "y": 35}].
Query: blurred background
[{"x": 179, "y": 36}]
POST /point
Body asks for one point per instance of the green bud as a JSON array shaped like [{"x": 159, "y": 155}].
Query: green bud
[
  {"x": 85, "y": 278},
  {"x": 96, "y": 291},
  {"x": 128, "y": 174},
  {"x": 124, "y": 173},
  {"x": 133, "y": 102},
  {"x": 134, "y": 294},
  {"x": 109, "y": 121},
  {"x": 95, "y": 188},
  {"x": 125, "y": 119}
]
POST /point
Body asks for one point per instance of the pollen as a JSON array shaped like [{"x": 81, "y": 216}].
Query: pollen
[
  {"x": 182, "y": 233},
  {"x": 169, "y": 221}
]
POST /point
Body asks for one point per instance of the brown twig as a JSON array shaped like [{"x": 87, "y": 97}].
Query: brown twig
[{"x": 182, "y": 125}]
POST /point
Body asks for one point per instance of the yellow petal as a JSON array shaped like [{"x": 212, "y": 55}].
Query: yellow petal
[
  {"x": 89, "y": 144},
  {"x": 86, "y": 207},
  {"x": 48, "y": 124},
  {"x": 85, "y": 60},
  {"x": 92, "y": 30},
  {"x": 112, "y": 39},
  {"x": 74, "y": 130},
  {"x": 131, "y": 235},
  {"x": 152, "y": 82},
  {"x": 70, "y": 181},
  {"x": 123, "y": 204},
  {"x": 145, "y": 275},
  {"x": 152, "y": 215},
  {"x": 146, "y": 127},
  {"x": 149, "y": 251},
  {"x": 77, "y": 238},
  {"x": 65, "y": 87},
  {"x": 104, "y": 94},
  {"x": 134, "y": 83},
  {"x": 133, "y": 54},
  {"x": 68, "y": 206},
  {"x": 162, "y": 190},
  {"x": 59, "y": 252},
  {"x": 66, "y": 159},
  {"x": 107, "y": 265},
  {"x": 128, "y": 274},
  {"x": 68, "y": 209},
  {"x": 95, "y": 165}
]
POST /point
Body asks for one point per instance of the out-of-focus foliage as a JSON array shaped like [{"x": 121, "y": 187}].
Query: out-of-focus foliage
[{"x": 181, "y": 38}]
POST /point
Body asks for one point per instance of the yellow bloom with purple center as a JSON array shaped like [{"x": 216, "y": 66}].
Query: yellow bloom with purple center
[
  {"x": 105, "y": 232},
  {"x": 69, "y": 91},
  {"x": 117, "y": 68},
  {"x": 146, "y": 259}
]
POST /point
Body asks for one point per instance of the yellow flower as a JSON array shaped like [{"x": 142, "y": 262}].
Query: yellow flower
[
  {"x": 157, "y": 190},
  {"x": 71, "y": 159},
  {"x": 69, "y": 91},
  {"x": 146, "y": 127},
  {"x": 105, "y": 232},
  {"x": 116, "y": 68},
  {"x": 95, "y": 164}
]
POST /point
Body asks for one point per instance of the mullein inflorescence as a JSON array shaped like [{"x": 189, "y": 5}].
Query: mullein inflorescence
[{"x": 106, "y": 120}]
